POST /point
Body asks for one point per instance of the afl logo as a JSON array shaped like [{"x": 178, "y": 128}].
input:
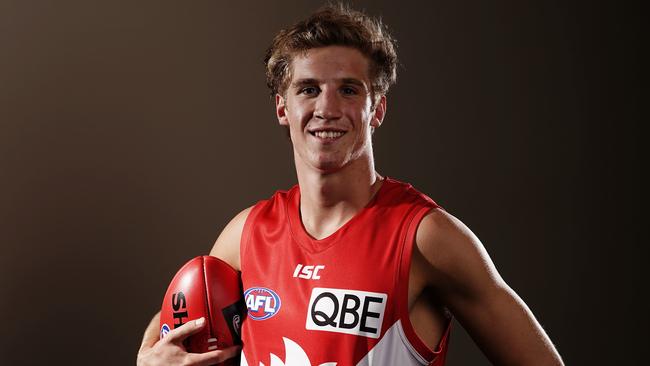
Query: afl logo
[
  {"x": 164, "y": 330},
  {"x": 262, "y": 303}
]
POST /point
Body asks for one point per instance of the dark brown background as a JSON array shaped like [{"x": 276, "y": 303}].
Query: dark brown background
[{"x": 130, "y": 132}]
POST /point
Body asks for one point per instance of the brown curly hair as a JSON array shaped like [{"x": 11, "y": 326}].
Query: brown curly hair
[{"x": 334, "y": 24}]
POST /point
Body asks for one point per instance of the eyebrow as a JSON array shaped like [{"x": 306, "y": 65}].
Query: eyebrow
[
  {"x": 353, "y": 81},
  {"x": 310, "y": 81},
  {"x": 303, "y": 82}
]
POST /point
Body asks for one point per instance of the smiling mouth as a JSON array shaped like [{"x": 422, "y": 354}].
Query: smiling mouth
[{"x": 327, "y": 135}]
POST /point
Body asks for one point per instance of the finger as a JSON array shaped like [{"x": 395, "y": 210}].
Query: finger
[
  {"x": 213, "y": 357},
  {"x": 179, "y": 334},
  {"x": 151, "y": 334}
]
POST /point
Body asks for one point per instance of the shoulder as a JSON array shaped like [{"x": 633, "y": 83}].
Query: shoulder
[
  {"x": 455, "y": 256},
  {"x": 401, "y": 193},
  {"x": 441, "y": 230},
  {"x": 226, "y": 247}
]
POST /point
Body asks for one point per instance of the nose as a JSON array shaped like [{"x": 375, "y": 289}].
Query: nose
[{"x": 328, "y": 105}]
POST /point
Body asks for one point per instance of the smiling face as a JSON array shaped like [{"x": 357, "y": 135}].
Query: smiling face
[{"x": 329, "y": 110}]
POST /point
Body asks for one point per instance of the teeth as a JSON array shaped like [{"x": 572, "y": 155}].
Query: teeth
[{"x": 328, "y": 134}]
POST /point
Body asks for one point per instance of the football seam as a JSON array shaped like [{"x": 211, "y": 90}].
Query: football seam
[{"x": 207, "y": 300}]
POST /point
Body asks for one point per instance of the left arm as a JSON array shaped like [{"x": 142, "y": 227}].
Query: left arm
[{"x": 464, "y": 277}]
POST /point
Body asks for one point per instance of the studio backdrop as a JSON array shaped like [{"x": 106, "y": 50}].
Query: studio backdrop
[{"x": 132, "y": 131}]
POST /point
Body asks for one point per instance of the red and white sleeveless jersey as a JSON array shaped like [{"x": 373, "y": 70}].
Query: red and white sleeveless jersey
[{"x": 341, "y": 300}]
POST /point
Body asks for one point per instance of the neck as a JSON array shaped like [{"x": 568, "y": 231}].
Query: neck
[{"x": 329, "y": 199}]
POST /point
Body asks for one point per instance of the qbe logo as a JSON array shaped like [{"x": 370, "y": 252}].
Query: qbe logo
[
  {"x": 262, "y": 303},
  {"x": 346, "y": 311}
]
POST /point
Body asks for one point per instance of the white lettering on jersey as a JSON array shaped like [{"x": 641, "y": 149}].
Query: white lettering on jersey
[
  {"x": 308, "y": 272},
  {"x": 255, "y": 302},
  {"x": 346, "y": 311}
]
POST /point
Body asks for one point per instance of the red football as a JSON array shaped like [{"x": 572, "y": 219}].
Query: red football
[{"x": 205, "y": 287}]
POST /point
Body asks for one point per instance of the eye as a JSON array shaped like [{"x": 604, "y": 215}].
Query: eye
[
  {"x": 309, "y": 90},
  {"x": 348, "y": 90}
]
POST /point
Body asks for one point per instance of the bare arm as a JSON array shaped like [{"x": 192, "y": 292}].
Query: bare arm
[
  {"x": 468, "y": 283},
  {"x": 226, "y": 247},
  {"x": 170, "y": 350}
]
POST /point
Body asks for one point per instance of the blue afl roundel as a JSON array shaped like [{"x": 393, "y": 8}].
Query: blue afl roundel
[
  {"x": 164, "y": 330},
  {"x": 262, "y": 303}
]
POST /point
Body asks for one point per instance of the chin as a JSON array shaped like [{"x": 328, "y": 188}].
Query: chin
[
  {"x": 325, "y": 163},
  {"x": 328, "y": 166}
]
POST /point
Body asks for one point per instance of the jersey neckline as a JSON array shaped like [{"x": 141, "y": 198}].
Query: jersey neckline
[{"x": 313, "y": 245}]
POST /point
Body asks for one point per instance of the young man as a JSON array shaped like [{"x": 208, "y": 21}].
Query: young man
[{"x": 353, "y": 268}]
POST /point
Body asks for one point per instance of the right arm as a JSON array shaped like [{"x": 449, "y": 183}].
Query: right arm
[
  {"x": 170, "y": 350},
  {"x": 226, "y": 247}
]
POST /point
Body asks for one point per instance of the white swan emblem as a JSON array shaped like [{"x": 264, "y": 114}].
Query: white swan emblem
[{"x": 295, "y": 356}]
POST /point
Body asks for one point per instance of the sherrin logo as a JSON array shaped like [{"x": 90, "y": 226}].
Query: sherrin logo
[{"x": 262, "y": 303}]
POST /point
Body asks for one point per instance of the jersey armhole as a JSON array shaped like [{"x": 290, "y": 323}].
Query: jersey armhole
[{"x": 416, "y": 344}]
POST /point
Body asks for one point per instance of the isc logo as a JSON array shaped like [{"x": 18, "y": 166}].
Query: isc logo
[
  {"x": 346, "y": 311},
  {"x": 308, "y": 272},
  {"x": 262, "y": 303}
]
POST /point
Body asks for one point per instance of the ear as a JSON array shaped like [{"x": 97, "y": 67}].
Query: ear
[
  {"x": 281, "y": 110},
  {"x": 379, "y": 112}
]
